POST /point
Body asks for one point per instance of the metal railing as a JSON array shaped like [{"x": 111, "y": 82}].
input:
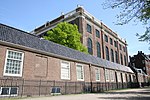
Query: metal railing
[{"x": 41, "y": 87}]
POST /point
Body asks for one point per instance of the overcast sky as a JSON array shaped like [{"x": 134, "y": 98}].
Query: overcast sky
[{"x": 29, "y": 14}]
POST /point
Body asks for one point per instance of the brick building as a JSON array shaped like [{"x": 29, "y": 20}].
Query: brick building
[
  {"x": 100, "y": 40},
  {"x": 141, "y": 61},
  {"x": 33, "y": 66}
]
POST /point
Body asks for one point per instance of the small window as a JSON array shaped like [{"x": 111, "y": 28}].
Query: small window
[
  {"x": 65, "y": 70},
  {"x": 89, "y": 29},
  {"x": 13, "y": 63},
  {"x": 7, "y": 91},
  {"x": 106, "y": 38},
  {"x": 97, "y": 72},
  {"x": 124, "y": 49},
  {"x": 111, "y": 41},
  {"x": 115, "y": 43},
  {"x": 120, "y": 46},
  {"x": 80, "y": 72},
  {"x": 55, "y": 90},
  {"x": 97, "y": 33}
]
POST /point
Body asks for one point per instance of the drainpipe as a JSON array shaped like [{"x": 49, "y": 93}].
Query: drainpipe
[{"x": 91, "y": 77}]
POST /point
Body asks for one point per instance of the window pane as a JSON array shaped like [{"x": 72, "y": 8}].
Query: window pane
[
  {"x": 65, "y": 70},
  {"x": 111, "y": 41},
  {"x": 79, "y": 69},
  {"x": 97, "y": 74},
  {"x": 90, "y": 47},
  {"x": 121, "y": 58},
  {"x": 98, "y": 50},
  {"x": 112, "y": 55},
  {"x": 13, "y": 91},
  {"x": 106, "y": 38},
  {"x": 89, "y": 29},
  {"x": 116, "y": 56},
  {"x": 97, "y": 33},
  {"x": 5, "y": 91},
  {"x": 115, "y": 43},
  {"x": 107, "y": 53},
  {"x": 13, "y": 63}
]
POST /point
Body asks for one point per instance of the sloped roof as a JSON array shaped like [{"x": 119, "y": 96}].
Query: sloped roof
[{"x": 12, "y": 35}]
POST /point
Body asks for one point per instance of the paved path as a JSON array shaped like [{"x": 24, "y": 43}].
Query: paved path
[{"x": 128, "y": 94}]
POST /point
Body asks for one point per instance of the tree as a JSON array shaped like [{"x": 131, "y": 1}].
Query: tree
[
  {"x": 133, "y": 10},
  {"x": 66, "y": 34}
]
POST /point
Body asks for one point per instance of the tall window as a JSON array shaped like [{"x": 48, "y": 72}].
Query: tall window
[
  {"x": 111, "y": 75},
  {"x": 121, "y": 58},
  {"x": 65, "y": 70},
  {"x": 97, "y": 33},
  {"x": 116, "y": 56},
  {"x": 119, "y": 76},
  {"x": 80, "y": 72},
  {"x": 97, "y": 72},
  {"x": 13, "y": 63},
  {"x": 107, "y": 53},
  {"x": 107, "y": 74},
  {"x": 125, "y": 60},
  {"x": 90, "y": 48},
  {"x": 98, "y": 50},
  {"x": 112, "y": 55},
  {"x": 111, "y": 41},
  {"x": 89, "y": 29},
  {"x": 106, "y": 38}
]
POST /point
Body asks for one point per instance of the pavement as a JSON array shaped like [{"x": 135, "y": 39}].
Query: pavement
[{"x": 126, "y": 94}]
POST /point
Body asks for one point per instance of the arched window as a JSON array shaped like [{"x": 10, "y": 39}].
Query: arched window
[
  {"x": 107, "y": 53},
  {"x": 125, "y": 61},
  {"x": 112, "y": 55},
  {"x": 116, "y": 56},
  {"x": 121, "y": 58},
  {"x": 98, "y": 50},
  {"x": 90, "y": 49}
]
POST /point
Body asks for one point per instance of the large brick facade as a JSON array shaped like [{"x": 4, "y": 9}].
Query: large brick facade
[{"x": 81, "y": 18}]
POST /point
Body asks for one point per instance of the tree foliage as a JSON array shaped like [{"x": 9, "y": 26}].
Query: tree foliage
[
  {"x": 66, "y": 34},
  {"x": 133, "y": 10}
]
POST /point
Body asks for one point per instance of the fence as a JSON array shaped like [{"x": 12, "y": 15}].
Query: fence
[{"x": 20, "y": 87}]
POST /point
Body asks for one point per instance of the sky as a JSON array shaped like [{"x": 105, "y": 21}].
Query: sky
[{"x": 29, "y": 14}]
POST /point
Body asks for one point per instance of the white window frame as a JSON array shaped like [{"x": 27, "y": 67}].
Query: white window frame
[
  {"x": 68, "y": 71},
  {"x": 21, "y": 66},
  {"x": 124, "y": 77},
  {"x": 9, "y": 91},
  {"x": 119, "y": 76},
  {"x": 111, "y": 75},
  {"x": 107, "y": 73},
  {"x": 97, "y": 71},
  {"x": 82, "y": 72}
]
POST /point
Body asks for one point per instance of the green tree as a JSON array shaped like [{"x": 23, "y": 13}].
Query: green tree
[
  {"x": 66, "y": 34},
  {"x": 133, "y": 10}
]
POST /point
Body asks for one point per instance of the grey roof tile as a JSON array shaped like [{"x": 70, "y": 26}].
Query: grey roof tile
[{"x": 16, "y": 36}]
